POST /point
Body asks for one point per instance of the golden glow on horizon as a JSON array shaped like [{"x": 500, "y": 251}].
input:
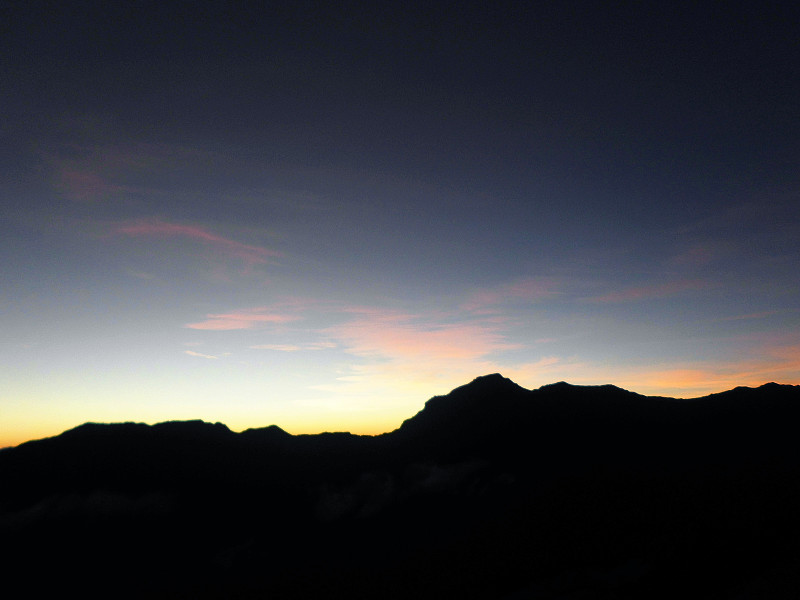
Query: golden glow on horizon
[{"x": 356, "y": 413}]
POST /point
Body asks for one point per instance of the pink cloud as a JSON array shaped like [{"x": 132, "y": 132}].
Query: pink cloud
[
  {"x": 650, "y": 292},
  {"x": 246, "y": 319},
  {"x": 399, "y": 358},
  {"x": 695, "y": 256},
  {"x": 85, "y": 185},
  {"x": 782, "y": 365},
  {"x": 759, "y": 358},
  {"x": 399, "y": 336},
  {"x": 756, "y": 315},
  {"x": 248, "y": 253},
  {"x": 526, "y": 290},
  {"x": 91, "y": 173}
]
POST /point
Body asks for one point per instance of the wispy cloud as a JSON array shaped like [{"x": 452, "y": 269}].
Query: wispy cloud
[
  {"x": 396, "y": 355},
  {"x": 277, "y": 347},
  {"x": 523, "y": 290},
  {"x": 320, "y": 346},
  {"x": 708, "y": 377},
  {"x": 651, "y": 292},
  {"x": 85, "y": 185},
  {"x": 295, "y": 347},
  {"x": 199, "y": 354},
  {"x": 378, "y": 347},
  {"x": 97, "y": 172},
  {"x": 755, "y": 315},
  {"x": 767, "y": 357},
  {"x": 250, "y": 254},
  {"x": 411, "y": 352},
  {"x": 396, "y": 335},
  {"x": 696, "y": 255},
  {"x": 420, "y": 351},
  {"x": 244, "y": 319}
]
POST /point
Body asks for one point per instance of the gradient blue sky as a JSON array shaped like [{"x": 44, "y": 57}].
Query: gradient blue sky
[{"x": 320, "y": 216}]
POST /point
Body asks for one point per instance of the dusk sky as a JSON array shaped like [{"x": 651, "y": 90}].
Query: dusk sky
[{"x": 321, "y": 215}]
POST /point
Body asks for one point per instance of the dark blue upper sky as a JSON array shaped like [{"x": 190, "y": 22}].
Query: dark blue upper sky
[{"x": 305, "y": 205}]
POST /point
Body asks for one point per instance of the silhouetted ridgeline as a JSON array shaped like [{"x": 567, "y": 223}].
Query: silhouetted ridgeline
[{"x": 491, "y": 491}]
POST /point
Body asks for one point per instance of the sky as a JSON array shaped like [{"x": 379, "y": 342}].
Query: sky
[{"x": 319, "y": 215}]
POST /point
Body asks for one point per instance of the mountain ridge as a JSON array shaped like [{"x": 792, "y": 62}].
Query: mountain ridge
[
  {"x": 489, "y": 491},
  {"x": 495, "y": 383}
]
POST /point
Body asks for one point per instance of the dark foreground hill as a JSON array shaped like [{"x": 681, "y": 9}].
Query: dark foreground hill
[{"x": 491, "y": 491}]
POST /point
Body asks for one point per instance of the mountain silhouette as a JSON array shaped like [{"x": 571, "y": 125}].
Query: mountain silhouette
[{"x": 490, "y": 491}]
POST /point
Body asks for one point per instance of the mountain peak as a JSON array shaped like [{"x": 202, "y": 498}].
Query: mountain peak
[
  {"x": 491, "y": 377},
  {"x": 484, "y": 382},
  {"x": 484, "y": 400},
  {"x": 559, "y": 385},
  {"x": 269, "y": 430}
]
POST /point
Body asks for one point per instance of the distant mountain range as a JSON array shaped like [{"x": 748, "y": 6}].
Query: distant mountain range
[{"x": 492, "y": 491}]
